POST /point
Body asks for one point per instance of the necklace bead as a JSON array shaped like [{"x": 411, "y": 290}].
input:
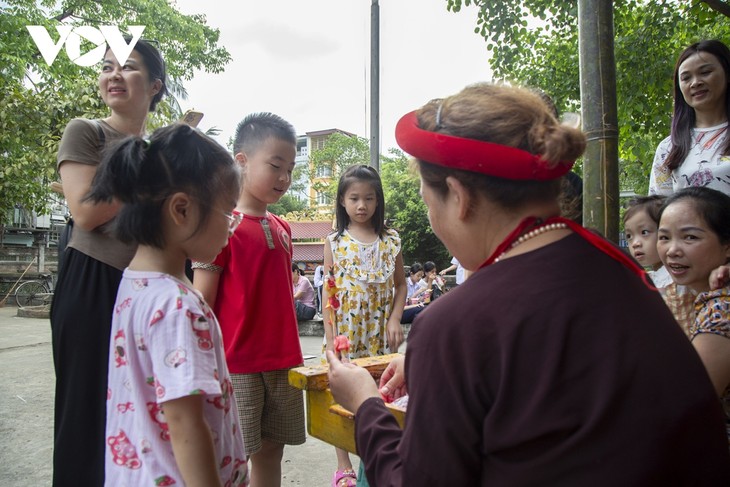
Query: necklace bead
[{"x": 532, "y": 234}]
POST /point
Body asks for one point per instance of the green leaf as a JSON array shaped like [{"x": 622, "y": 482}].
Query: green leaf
[{"x": 37, "y": 100}]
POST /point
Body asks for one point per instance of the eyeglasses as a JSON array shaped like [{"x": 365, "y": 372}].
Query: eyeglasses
[{"x": 234, "y": 219}]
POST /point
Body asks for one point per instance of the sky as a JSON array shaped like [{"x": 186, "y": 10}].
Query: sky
[{"x": 309, "y": 62}]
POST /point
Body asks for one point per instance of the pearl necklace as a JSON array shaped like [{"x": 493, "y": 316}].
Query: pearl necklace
[{"x": 532, "y": 234}]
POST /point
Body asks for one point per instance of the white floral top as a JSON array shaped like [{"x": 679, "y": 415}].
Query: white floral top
[
  {"x": 704, "y": 165},
  {"x": 365, "y": 288}
]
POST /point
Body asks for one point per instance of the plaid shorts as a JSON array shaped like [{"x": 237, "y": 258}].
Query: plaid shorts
[{"x": 268, "y": 407}]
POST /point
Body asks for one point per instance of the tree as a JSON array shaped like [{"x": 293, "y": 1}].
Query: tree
[
  {"x": 404, "y": 208},
  {"x": 535, "y": 42},
  {"x": 286, "y": 204},
  {"x": 407, "y": 213},
  {"x": 37, "y": 100},
  {"x": 340, "y": 151}
]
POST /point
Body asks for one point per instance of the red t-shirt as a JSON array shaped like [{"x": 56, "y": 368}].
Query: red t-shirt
[{"x": 254, "y": 303}]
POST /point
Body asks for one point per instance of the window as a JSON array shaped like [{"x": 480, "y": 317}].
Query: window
[
  {"x": 323, "y": 199},
  {"x": 324, "y": 172},
  {"x": 319, "y": 143}
]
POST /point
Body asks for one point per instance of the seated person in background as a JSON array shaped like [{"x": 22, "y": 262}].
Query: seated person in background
[
  {"x": 303, "y": 294},
  {"x": 413, "y": 303},
  {"x": 432, "y": 284}
]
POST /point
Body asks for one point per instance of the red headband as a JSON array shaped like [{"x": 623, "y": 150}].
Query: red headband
[{"x": 473, "y": 155}]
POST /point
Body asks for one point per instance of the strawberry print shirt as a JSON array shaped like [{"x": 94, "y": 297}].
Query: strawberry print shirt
[{"x": 166, "y": 344}]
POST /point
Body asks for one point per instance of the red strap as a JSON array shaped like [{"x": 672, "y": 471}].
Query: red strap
[{"x": 591, "y": 237}]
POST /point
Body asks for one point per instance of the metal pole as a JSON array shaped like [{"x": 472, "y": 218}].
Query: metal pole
[
  {"x": 375, "y": 85},
  {"x": 599, "y": 114}
]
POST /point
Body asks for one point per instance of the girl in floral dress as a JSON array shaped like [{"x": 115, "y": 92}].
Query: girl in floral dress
[{"x": 364, "y": 257}]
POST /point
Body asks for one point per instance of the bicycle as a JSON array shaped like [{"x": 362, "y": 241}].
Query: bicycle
[{"x": 35, "y": 293}]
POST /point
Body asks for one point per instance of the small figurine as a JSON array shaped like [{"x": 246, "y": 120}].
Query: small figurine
[{"x": 341, "y": 342}]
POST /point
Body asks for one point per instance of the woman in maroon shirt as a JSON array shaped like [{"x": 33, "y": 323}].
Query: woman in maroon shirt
[{"x": 556, "y": 362}]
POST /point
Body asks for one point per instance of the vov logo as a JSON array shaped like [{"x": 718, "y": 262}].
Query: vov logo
[{"x": 71, "y": 36}]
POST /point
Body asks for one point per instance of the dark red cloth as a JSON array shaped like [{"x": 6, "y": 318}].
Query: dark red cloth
[{"x": 557, "y": 367}]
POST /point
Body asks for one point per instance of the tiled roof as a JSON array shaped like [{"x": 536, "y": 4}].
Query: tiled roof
[
  {"x": 300, "y": 230},
  {"x": 308, "y": 252},
  {"x": 319, "y": 133}
]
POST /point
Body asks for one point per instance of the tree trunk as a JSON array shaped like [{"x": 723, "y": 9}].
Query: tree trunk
[{"x": 599, "y": 115}]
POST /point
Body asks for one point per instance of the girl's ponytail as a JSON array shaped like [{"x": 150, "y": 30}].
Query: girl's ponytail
[
  {"x": 118, "y": 175},
  {"x": 142, "y": 175}
]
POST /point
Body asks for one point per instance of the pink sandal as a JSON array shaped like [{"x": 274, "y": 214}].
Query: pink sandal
[{"x": 348, "y": 475}]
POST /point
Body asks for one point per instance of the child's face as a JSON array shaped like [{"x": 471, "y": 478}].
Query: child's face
[
  {"x": 641, "y": 236},
  {"x": 213, "y": 235},
  {"x": 267, "y": 170},
  {"x": 688, "y": 247},
  {"x": 360, "y": 202}
]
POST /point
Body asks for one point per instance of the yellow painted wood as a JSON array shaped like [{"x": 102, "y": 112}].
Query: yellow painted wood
[
  {"x": 327, "y": 420},
  {"x": 328, "y": 427},
  {"x": 315, "y": 377}
]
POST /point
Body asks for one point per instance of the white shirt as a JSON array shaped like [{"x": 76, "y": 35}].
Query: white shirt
[
  {"x": 319, "y": 276},
  {"x": 703, "y": 166},
  {"x": 459, "y": 271}
]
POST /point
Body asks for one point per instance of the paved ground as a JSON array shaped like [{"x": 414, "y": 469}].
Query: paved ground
[{"x": 26, "y": 410}]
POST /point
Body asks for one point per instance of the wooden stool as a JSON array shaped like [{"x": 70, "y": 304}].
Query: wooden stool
[{"x": 327, "y": 420}]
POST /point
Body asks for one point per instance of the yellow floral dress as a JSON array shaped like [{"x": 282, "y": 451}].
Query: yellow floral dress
[{"x": 365, "y": 288}]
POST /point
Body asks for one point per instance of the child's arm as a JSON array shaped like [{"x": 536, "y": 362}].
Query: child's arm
[
  {"x": 206, "y": 282},
  {"x": 393, "y": 329},
  {"x": 329, "y": 333},
  {"x": 192, "y": 442}
]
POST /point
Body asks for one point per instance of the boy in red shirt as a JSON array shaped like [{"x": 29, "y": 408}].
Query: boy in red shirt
[{"x": 249, "y": 287}]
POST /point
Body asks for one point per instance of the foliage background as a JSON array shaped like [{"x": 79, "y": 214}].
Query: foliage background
[
  {"x": 404, "y": 209},
  {"x": 37, "y": 100},
  {"x": 535, "y": 42}
]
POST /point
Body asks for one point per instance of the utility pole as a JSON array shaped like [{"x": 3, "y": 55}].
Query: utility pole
[
  {"x": 600, "y": 118},
  {"x": 375, "y": 85}
]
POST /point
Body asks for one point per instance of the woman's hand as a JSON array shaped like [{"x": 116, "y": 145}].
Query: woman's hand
[
  {"x": 394, "y": 334},
  {"x": 350, "y": 385},
  {"x": 393, "y": 380}
]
